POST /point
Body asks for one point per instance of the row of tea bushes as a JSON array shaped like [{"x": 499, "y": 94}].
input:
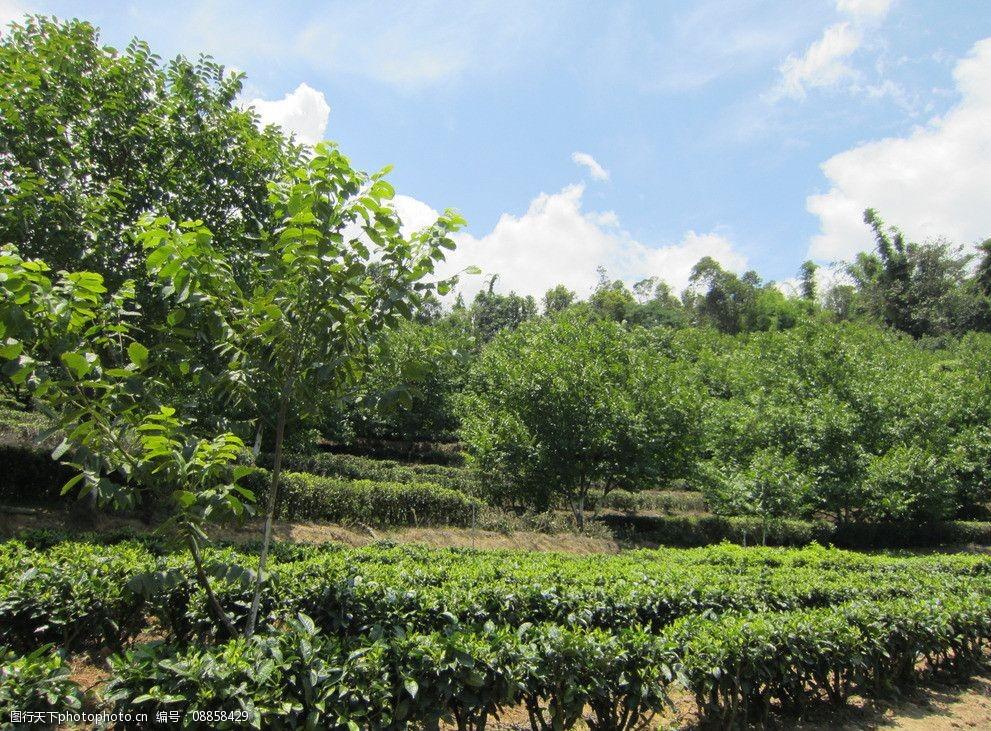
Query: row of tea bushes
[
  {"x": 36, "y": 683},
  {"x": 738, "y": 665},
  {"x": 301, "y": 678},
  {"x": 703, "y": 530},
  {"x": 354, "y": 467},
  {"x": 79, "y": 594},
  {"x": 307, "y": 497}
]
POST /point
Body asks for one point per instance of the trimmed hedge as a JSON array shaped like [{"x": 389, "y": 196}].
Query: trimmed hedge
[
  {"x": 737, "y": 665},
  {"x": 691, "y": 531},
  {"x": 440, "y": 453},
  {"x": 353, "y": 467},
  {"x": 911, "y": 535},
  {"x": 661, "y": 501},
  {"x": 72, "y": 594},
  {"x": 310, "y": 497}
]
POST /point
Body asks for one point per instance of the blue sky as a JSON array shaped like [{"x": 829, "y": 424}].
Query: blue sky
[{"x": 752, "y": 131}]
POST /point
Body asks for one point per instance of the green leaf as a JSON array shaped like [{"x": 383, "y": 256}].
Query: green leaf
[
  {"x": 185, "y": 498},
  {"x": 72, "y": 482},
  {"x": 11, "y": 349},
  {"x": 138, "y": 354},
  {"x": 78, "y": 363},
  {"x": 61, "y": 449}
]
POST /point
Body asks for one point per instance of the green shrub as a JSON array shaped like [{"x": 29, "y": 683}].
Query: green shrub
[
  {"x": 73, "y": 594},
  {"x": 354, "y": 467},
  {"x": 622, "y": 500},
  {"x": 737, "y": 664},
  {"x": 911, "y": 535},
  {"x": 621, "y": 677},
  {"x": 300, "y": 678},
  {"x": 293, "y": 679},
  {"x": 702, "y": 530},
  {"x": 438, "y": 453},
  {"x": 38, "y": 682},
  {"x": 309, "y": 497}
]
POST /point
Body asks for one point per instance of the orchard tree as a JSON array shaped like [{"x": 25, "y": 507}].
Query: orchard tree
[
  {"x": 414, "y": 374},
  {"x": 561, "y": 406},
  {"x": 770, "y": 486},
  {"x": 329, "y": 272},
  {"x": 91, "y": 138},
  {"x": 73, "y": 346},
  {"x": 492, "y": 312}
]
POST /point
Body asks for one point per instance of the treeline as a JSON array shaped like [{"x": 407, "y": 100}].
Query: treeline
[{"x": 865, "y": 401}]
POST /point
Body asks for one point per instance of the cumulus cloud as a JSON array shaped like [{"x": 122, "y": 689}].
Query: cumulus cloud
[
  {"x": 556, "y": 242},
  {"x": 932, "y": 182},
  {"x": 594, "y": 168},
  {"x": 303, "y": 112},
  {"x": 825, "y": 63}
]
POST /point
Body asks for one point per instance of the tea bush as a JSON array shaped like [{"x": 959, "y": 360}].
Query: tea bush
[
  {"x": 37, "y": 682},
  {"x": 309, "y": 497}
]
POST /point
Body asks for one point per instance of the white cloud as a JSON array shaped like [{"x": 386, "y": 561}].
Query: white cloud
[
  {"x": 594, "y": 168},
  {"x": 556, "y": 242},
  {"x": 932, "y": 182},
  {"x": 303, "y": 112},
  {"x": 823, "y": 64}
]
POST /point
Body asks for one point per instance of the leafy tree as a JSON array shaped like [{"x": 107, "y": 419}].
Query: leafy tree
[
  {"x": 919, "y": 289},
  {"x": 722, "y": 297},
  {"x": 660, "y": 309},
  {"x": 92, "y": 138},
  {"x": 611, "y": 300},
  {"x": 844, "y": 401},
  {"x": 735, "y": 304},
  {"x": 770, "y": 485},
  {"x": 557, "y": 299},
  {"x": 414, "y": 374},
  {"x": 329, "y": 273},
  {"x": 807, "y": 281},
  {"x": 492, "y": 312},
  {"x": 72, "y": 344},
  {"x": 559, "y": 406}
]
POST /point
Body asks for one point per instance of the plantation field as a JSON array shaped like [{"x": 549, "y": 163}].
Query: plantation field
[{"x": 389, "y": 636}]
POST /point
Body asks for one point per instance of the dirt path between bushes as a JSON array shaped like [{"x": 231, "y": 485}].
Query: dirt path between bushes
[{"x": 435, "y": 537}]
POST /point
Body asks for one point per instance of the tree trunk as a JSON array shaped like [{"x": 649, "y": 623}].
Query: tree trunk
[
  {"x": 218, "y": 611},
  {"x": 578, "y": 509},
  {"x": 280, "y": 428}
]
